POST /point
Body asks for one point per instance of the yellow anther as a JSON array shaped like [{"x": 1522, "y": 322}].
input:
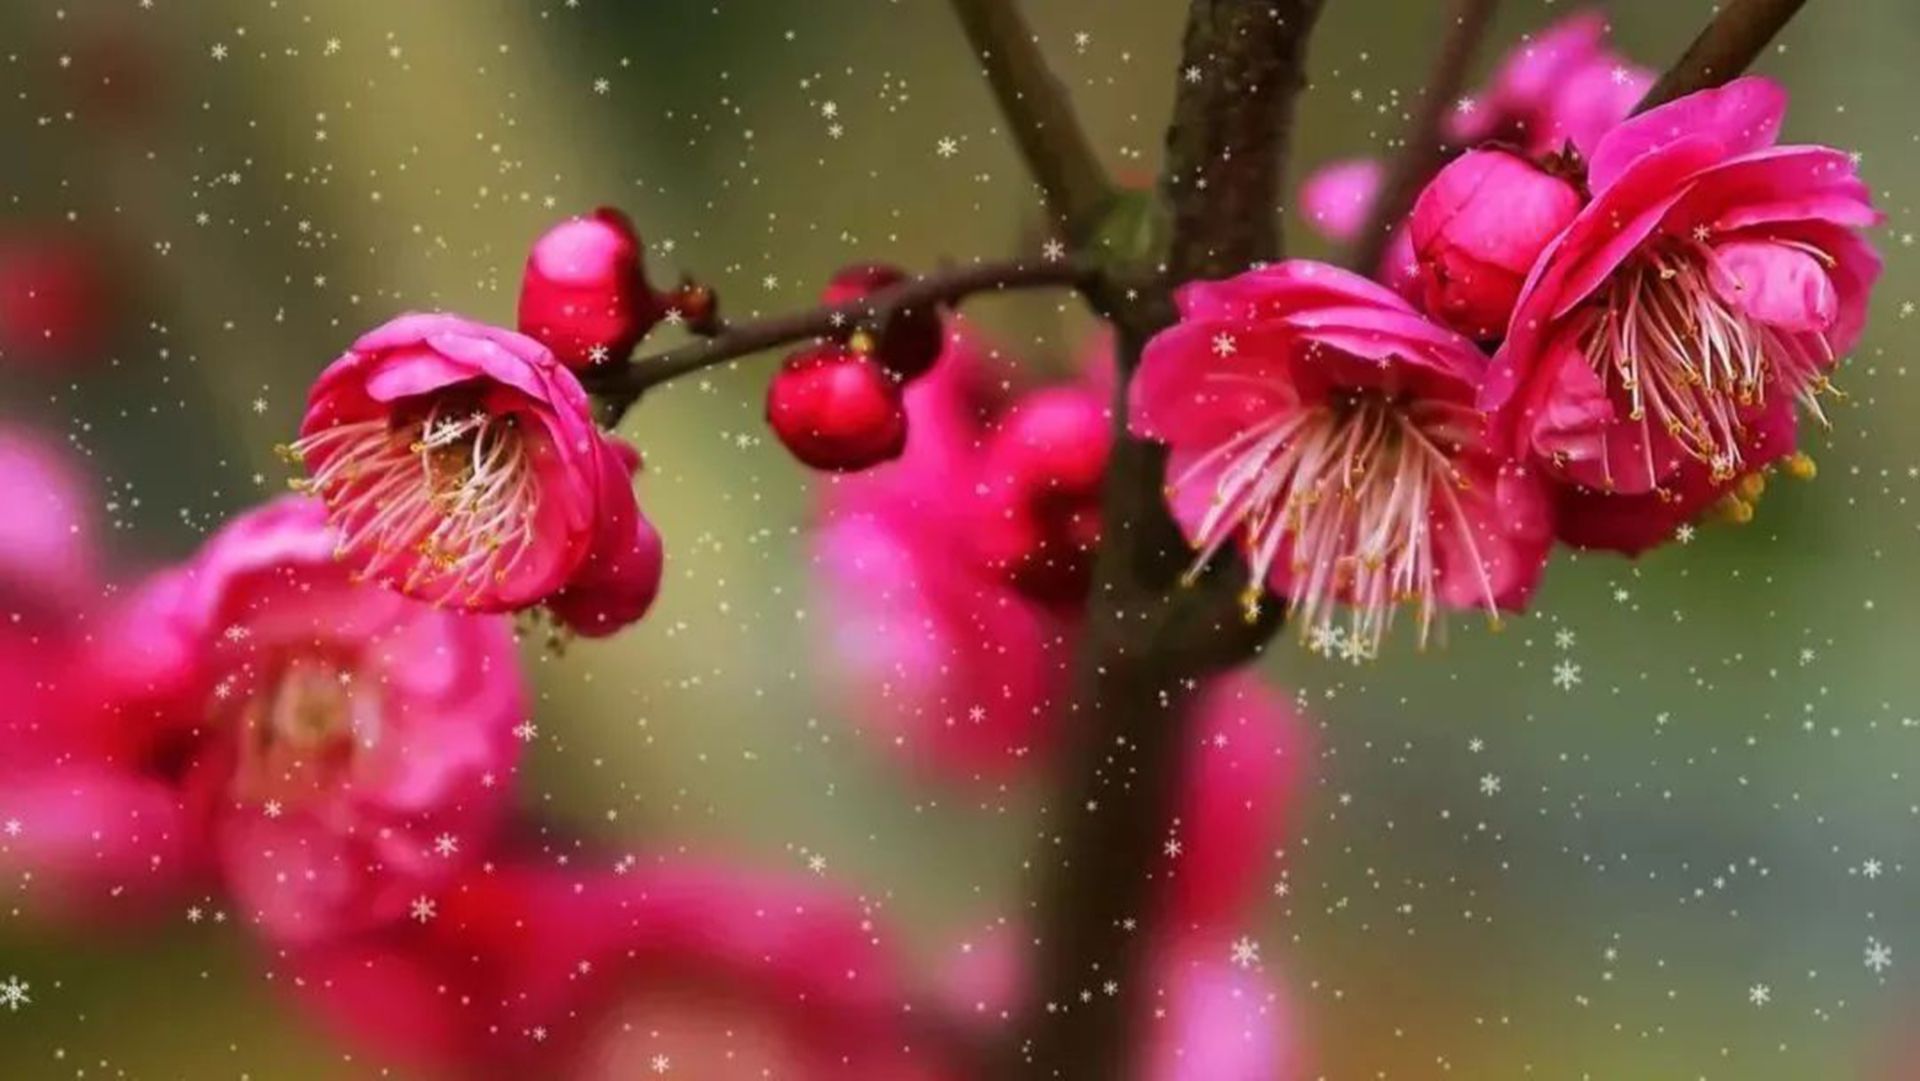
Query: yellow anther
[
  {"x": 861, "y": 341},
  {"x": 1752, "y": 487},
  {"x": 1732, "y": 508},
  {"x": 1250, "y": 604},
  {"x": 1800, "y": 467}
]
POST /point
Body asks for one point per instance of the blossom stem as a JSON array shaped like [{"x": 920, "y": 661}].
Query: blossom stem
[
  {"x": 618, "y": 387},
  {"x": 1733, "y": 40},
  {"x": 1072, "y": 182},
  {"x": 1421, "y": 154}
]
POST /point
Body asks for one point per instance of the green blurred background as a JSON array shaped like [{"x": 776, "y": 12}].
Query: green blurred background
[{"x": 1495, "y": 876}]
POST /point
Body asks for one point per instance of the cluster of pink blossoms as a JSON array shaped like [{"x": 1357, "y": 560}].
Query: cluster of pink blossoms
[{"x": 1593, "y": 346}]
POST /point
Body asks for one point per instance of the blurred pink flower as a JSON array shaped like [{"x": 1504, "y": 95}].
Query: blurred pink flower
[
  {"x": 519, "y": 971},
  {"x": 1037, "y": 519},
  {"x": 1339, "y": 195},
  {"x": 1218, "y": 1021},
  {"x": 461, "y": 465},
  {"x": 1241, "y": 783},
  {"x": 327, "y": 749},
  {"x": 939, "y": 652},
  {"x": 1477, "y": 228},
  {"x": 1329, "y": 430},
  {"x": 1661, "y": 341},
  {"x": 1564, "y": 85},
  {"x": 584, "y": 293},
  {"x": 83, "y": 837}
]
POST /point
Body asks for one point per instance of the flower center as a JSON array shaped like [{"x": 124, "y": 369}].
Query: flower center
[
  {"x": 297, "y": 734},
  {"x": 1668, "y": 348},
  {"x": 442, "y": 501},
  {"x": 1349, "y": 493}
]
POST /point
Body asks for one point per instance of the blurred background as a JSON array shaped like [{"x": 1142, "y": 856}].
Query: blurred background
[{"x": 1651, "y": 830}]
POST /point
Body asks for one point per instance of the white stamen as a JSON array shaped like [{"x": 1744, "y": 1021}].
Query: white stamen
[
  {"x": 1668, "y": 348},
  {"x": 1350, "y": 492},
  {"x": 447, "y": 500}
]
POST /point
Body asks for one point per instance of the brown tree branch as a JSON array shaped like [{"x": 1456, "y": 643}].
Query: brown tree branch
[
  {"x": 1242, "y": 65},
  {"x": 1423, "y": 153},
  {"x": 1038, "y": 110},
  {"x": 1733, "y": 40},
  {"x": 619, "y": 386},
  {"x": 1149, "y": 641}
]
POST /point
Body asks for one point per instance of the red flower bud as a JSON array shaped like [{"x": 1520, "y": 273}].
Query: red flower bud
[
  {"x": 837, "y": 409},
  {"x": 1477, "y": 229},
  {"x": 909, "y": 341},
  {"x": 585, "y": 294}
]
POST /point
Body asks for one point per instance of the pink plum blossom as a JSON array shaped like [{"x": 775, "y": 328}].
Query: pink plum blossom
[
  {"x": 934, "y": 641},
  {"x": 461, "y": 466},
  {"x": 328, "y": 749},
  {"x": 1563, "y": 85},
  {"x": 1660, "y": 344},
  {"x": 1328, "y": 430}
]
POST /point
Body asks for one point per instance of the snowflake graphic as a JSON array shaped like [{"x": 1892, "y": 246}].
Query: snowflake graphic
[
  {"x": 1245, "y": 952},
  {"x": 1879, "y": 956},
  {"x": 13, "y": 993}
]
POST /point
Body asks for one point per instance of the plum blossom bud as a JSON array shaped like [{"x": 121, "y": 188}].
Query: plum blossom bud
[
  {"x": 837, "y": 409},
  {"x": 585, "y": 294},
  {"x": 461, "y": 466},
  {"x": 1478, "y": 227},
  {"x": 909, "y": 342}
]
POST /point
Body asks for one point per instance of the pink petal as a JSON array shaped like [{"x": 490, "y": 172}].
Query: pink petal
[
  {"x": 1776, "y": 284},
  {"x": 1741, "y": 117}
]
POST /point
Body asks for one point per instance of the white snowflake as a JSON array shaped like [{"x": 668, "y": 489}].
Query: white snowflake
[
  {"x": 1245, "y": 952},
  {"x": 947, "y": 147},
  {"x": 1759, "y": 994},
  {"x": 1879, "y": 956},
  {"x": 1566, "y": 675},
  {"x": 1224, "y": 345},
  {"x": 422, "y": 908},
  {"x": 1490, "y": 784},
  {"x": 13, "y": 993}
]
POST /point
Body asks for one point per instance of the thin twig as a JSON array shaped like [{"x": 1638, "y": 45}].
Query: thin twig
[
  {"x": 1733, "y": 40},
  {"x": 1038, "y": 110},
  {"x": 1422, "y": 154},
  {"x": 621, "y": 386}
]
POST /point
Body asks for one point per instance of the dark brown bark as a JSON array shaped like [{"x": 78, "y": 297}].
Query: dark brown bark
[{"x": 1733, "y": 40}]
